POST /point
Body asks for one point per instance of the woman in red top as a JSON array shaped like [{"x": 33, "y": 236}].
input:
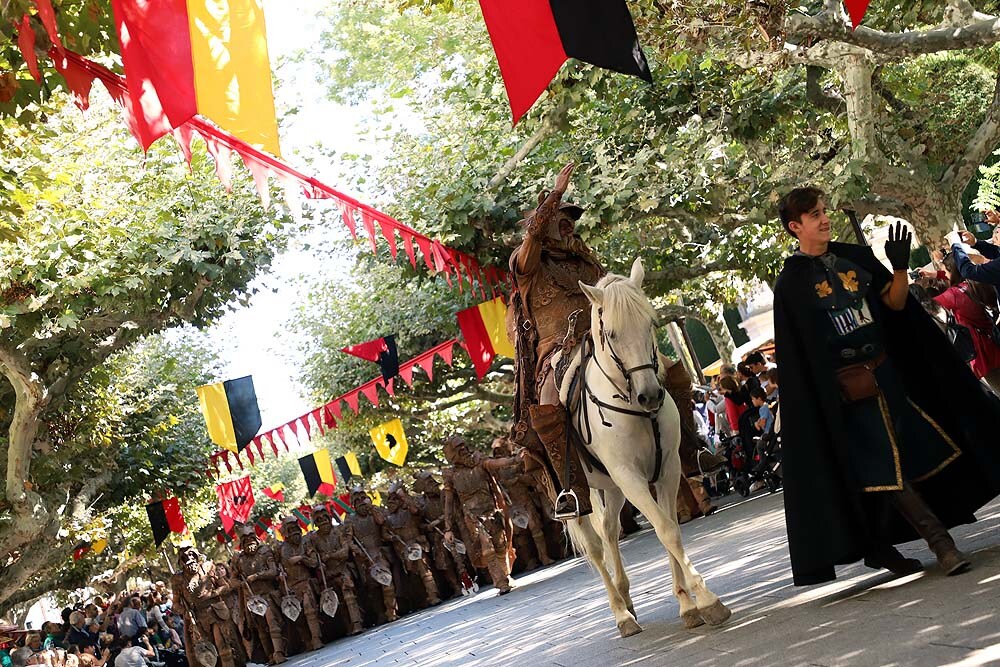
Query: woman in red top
[
  {"x": 965, "y": 299},
  {"x": 734, "y": 409}
]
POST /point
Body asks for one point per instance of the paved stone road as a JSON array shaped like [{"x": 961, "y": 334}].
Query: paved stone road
[{"x": 559, "y": 616}]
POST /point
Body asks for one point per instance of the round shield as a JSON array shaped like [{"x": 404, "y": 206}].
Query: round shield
[
  {"x": 329, "y": 602},
  {"x": 381, "y": 575},
  {"x": 291, "y": 607},
  {"x": 414, "y": 551},
  {"x": 257, "y": 605},
  {"x": 519, "y": 517},
  {"x": 206, "y": 653}
]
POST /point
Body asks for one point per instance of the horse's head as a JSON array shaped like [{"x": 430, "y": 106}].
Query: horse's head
[{"x": 622, "y": 324}]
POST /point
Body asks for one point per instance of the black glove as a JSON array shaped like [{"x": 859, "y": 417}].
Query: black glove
[{"x": 897, "y": 248}]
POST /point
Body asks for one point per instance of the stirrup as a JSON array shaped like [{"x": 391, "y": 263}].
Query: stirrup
[{"x": 567, "y": 506}]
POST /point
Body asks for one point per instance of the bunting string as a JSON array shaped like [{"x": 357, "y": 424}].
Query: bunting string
[
  {"x": 80, "y": 74},
  {"x": 299, "y": 430}
]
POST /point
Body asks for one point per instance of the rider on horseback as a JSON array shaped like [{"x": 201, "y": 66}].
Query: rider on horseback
[{"x": 550, "y": 313}]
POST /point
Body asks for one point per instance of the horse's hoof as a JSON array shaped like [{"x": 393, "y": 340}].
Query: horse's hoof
[
  {"x": 628, "y": 627},
  {"x": 692, "y": 619},
  {"x": 631, "y": 610},
  {"x": 715, "y": 614}
]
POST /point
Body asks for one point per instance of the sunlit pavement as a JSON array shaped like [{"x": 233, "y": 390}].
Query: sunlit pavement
[{"x": 559, "y": 616}]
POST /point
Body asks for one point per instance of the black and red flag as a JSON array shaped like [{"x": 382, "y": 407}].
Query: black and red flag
[
  {"x": 382, "y": 351},
  {"x": 235, "y": 502},
  {"x": 533, "y": 38},
  {"x": 164, "y": 518}
]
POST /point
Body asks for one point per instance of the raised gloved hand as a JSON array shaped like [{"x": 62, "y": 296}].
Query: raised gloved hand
[{"x": 897, "y": 248}]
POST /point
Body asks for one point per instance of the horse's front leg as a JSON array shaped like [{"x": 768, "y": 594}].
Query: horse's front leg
[
  {"x": 611, "y": 529},
  {"x": 636, "y": 489},
  {"x": 584, "y": 533}
]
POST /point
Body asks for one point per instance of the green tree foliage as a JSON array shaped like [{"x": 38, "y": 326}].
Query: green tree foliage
[{"x": 102, "y": 247}]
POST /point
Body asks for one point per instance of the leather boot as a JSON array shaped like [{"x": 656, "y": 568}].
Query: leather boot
[
  {"x": 538, "y": 536},
  {"x": 889, "y": 558},
  {"x": 913, "y": 508},
  {"x": 549, "y": 423},
  {"x": 687, "y": 506},
  {"x": 498, "y": 573},
  {"x": 701, "y": 496}
]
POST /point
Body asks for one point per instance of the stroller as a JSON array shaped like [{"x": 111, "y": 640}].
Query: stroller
[{"x": 734, "y": 474}]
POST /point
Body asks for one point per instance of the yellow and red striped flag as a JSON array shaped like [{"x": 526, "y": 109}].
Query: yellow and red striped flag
[
  {"x": 206, "y": 57},
  {"x": 484, "y": 328}
]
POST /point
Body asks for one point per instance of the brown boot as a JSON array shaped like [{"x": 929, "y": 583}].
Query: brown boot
[
  {"x": 913, "y": 508},
  {"x": 701, "y": 496},
  {"x": 549, "y": 423},
  {"x": 687, "y": 505}
]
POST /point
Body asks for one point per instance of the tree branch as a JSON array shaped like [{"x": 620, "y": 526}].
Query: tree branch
[
  {"x": 982, "y": 31},
  {"x": 982, "y": 144},
  {"x": 552, "y": 120}
]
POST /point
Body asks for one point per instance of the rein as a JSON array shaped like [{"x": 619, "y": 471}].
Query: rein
[{"x": 583, "y": 426}]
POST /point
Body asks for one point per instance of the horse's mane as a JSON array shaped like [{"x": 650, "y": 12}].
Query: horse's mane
[{"x": 624, "y": 303}]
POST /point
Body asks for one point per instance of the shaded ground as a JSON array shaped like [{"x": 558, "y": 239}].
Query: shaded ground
[{"x": 559, "y": 616}]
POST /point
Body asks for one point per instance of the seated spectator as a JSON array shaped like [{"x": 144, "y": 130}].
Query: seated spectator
[{"x": 54, "y": 636}]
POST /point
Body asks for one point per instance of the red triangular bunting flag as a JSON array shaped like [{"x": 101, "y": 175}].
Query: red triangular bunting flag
[
  {"x": 225, "y": 460},
  {"x": 406, "y": 372},
  {"x": 223, "y": 158},
  {"x": 260, "y": 172},
  {"x": 347, "y": 212},
  {"x": 335, "y": 408},
  {"x": 271, "y": 441},
  {"x": 389, "y": 235},
  {"x": 857, "y": 9},
  {"x": 427, "y": 363},
  {"x": 26, "y": 43},
  {"x": 287, "y": 435},
  {"x": 389, "y": 388},
  {"x": 371, "y": 393},
  {"x": 369, "y": 223},
  {"x": 408, "y": 246},
  {"x": 78, "y": 79},
  {"x": 328, "y": 419},
  {"x": 447, "y": 353},
  {"x": 352, "y": 400},
  {"x": 425, "y": 248}
]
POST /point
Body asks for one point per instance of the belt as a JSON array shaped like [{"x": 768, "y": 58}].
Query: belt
[{"x": 856, "y": 355}]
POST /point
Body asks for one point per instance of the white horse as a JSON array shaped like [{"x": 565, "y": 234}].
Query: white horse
[{"x": 616, "y": 401}]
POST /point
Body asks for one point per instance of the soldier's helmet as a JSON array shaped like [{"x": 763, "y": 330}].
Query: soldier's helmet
[
  {"x": 424, "y": 482},
  {"x": 318, "y": 510},
  {"x": 358, "y": 494},
  {"x": 288, "y": 522},
  {"x": 246, "y": 531}
]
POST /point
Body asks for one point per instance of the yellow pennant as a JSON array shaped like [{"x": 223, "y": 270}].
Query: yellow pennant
[{"x": 390, "y": 441}]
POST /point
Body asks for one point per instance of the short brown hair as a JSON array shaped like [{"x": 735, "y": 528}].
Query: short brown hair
[{"x": 795, "y": 203}]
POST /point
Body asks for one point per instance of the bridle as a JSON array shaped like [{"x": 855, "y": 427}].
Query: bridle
[
  {"x": 582, "y": 426},
  {"x": 654, "y": 363}
]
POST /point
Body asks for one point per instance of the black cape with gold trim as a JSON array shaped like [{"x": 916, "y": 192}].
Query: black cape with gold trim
[{"x": 827, "y": 522}]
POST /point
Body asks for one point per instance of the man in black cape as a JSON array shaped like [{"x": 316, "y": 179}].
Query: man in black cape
[{"x": 886, "y": 433}]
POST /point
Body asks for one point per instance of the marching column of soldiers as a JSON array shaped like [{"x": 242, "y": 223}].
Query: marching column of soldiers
[{"x": 278, "y": 598}]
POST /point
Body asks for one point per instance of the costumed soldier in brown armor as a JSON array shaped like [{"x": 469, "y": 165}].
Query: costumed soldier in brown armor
[
  {"x": 549, "y": 312},
  {"x": 299, "y": 560},
  {"x": 367, "y": 548},
  {"x": 333, "y": 546},
  {"x": 404, "y": 530},
  {"x": 524, "y": 513},
  {"x": 481, "y": 506},
  {"x": 199, "y": 590},
  {"x": 255, "y": 567},
  {"x": 449, "y": 564}
]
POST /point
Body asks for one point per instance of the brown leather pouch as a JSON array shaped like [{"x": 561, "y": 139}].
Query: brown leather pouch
[{"x": 857, "y": 381}]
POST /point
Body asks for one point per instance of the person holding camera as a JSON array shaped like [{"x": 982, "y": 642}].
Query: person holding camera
[{"x": 886, "y": 433}]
